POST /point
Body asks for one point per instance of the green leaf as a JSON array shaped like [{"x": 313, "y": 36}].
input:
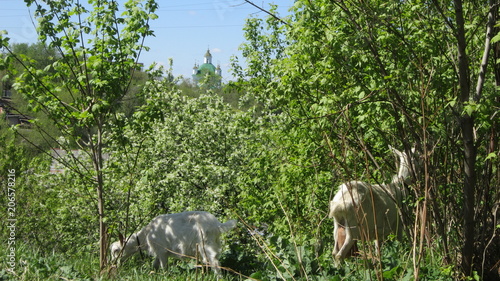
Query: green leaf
[
  {"x": 491, "y": 157},
  {"x": 495, "y": 38}
]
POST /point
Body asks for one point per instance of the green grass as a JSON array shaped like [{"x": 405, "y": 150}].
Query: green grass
[{"x": 36, "y": 264}]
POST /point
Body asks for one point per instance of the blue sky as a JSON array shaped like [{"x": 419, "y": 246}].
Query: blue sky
[{"x": 184, "y": 30}]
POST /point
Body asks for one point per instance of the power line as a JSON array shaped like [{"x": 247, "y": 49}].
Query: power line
[{"x": 198, "y": 26}]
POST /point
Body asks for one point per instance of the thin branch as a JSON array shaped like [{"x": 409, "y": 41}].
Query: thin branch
[
  {"x": 269, "y": 13},
  {"x": 492, "y": 18}
]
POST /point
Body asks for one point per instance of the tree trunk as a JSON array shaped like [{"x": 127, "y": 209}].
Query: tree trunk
[
  {"x": 102, "y": 225},
  {"x": 467, "y": 128},
  {"x": 98, "y": 165}
]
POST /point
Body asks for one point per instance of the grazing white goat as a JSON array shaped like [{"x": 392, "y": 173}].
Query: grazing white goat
[
  {"x": 368, "y": 211},
  {"x": 187, "y": 234}
]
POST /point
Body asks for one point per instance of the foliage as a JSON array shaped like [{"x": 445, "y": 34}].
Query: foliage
[
  {"x": 353, "y": 77},
  {"x": 97, "y": 50},
  {"x": 323, "y": 93},
  {"x": 190, "y": 153}
]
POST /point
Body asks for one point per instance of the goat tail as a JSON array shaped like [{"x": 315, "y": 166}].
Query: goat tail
[{"x": 225, "y": 227}]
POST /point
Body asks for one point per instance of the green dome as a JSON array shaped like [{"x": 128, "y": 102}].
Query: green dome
[{"x": 207, "y": 68}]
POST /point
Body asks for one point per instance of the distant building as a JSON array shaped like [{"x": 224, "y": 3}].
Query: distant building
[
  {"x": 6, "y": 111},
  {"x": 207, "y": 72}
]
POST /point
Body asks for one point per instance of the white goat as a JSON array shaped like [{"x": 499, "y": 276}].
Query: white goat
[
  {"x": 187, "y": 234},
  {"x": 368, "y": 211}
]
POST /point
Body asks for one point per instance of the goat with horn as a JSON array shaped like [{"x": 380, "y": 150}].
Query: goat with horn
[{"x": 367, "y": 212}]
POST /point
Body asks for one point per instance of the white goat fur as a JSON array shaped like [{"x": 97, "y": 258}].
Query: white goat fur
[
  {"x": 368, "y": 211},
  {"x": 181, "y": 235}
]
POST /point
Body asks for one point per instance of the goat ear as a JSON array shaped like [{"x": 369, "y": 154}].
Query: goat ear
[
  {"x": 396, "y": 152},
  {"x": 414, "y": 148},
  {"x": 122, "y": 239}
]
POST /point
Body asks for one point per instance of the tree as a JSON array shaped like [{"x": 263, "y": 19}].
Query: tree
[
  {"x": 468, "y": 97},
  {"x": 354, "y": 77},
  {"x": 98, "y": 47}
]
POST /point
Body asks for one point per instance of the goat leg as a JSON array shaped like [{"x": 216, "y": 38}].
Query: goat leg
[{"x": 344, "y": 233}]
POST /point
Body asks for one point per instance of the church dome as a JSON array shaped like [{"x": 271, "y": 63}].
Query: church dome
[{"x": 207, "y": 68}]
